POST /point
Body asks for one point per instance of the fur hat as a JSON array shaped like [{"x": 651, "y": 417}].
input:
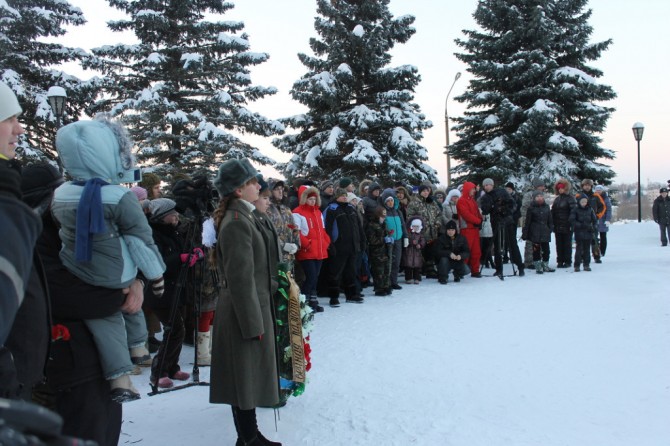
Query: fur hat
[
  {"x": 140, "y": 192},
  {"x": 306, "y": 192},
  {"x": 232, "y": 175},
  {"x": 450, "y": 225},
  {"x": 351, "y": 197},
  {"x": 345, "y": 182},
  {"x": 340, "y": 192},
  {"x": 274, "y": 183},
  {"x": 453, "y": 193},
  {"x": 416, "y": 222},
  {"x": 487, "y": 182},
  {"x": 149, "y": 180},
  {"x": 161, "y": 208},
  {"x": 562, "y": 183},
  {"x": 9, "y": 104},
  {"x": 587, "y": 181}
]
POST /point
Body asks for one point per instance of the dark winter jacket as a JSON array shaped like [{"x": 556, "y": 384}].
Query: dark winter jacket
[
  {"x": 661, "y": 210},
  {"x": 370, "y": 202},
  {"x": 344, "y": 228},
  {"x": 516, "y": 215},
  {"x": 538, "y": 224},
  {"x": 500, "y": 205},
  {"x": 375, "y": 233},
  {"x": 76, "y": 360},
  {"x": 560, "y": 212},
  {"x": 457, "y": 245},
  {"x": 171, "y": 245},
  {"x": 583, "y": 221},
  {"x": 596, "y": 202},
  {"x": 602, "y": 227}
]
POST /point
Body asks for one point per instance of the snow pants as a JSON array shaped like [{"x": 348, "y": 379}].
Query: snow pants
[
  {"x": 472, "y": 236},
  {"x": 114, "y": 336}
]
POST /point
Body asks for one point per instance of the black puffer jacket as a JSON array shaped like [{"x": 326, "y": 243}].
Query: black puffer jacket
[
  {"x": 457, "y": 245},
  {"x": 583, "y": 221},
  {"x": 560, "y": 212},
  {"x": 344, "y": 227},
  {"x": 171, "y": 245},
  {"x": 500, "y": 205},
  {"x": 538, "y": 224}
]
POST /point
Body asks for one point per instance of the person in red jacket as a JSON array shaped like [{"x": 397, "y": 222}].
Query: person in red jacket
[
  {"x": 314, "y": 241},
  {"x": 470, "y": 221}
]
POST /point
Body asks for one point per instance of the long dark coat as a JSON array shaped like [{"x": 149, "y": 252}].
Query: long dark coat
[
  {"x": 244, "y": 368},
  {"x": 560, "y": 212}
]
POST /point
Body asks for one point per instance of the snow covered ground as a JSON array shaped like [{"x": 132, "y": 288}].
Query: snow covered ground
[{"x": 562, "y": 359}]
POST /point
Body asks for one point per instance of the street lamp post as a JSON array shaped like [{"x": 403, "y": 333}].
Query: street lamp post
[
  {"x": 57, "y": 98},
  {"x": 638, "y": 130},
  {"x": 446, "y": 128}
]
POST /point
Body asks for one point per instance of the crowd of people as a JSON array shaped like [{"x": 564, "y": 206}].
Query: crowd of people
[{"x": 109, "y": 266}]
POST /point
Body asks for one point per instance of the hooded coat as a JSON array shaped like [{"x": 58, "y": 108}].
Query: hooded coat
[
  {"x": 468, "y": 210},
  {"x": 244, "y": 361},
  {"x": 99, "y": 149},
  {"x": 314, "y": 244}
]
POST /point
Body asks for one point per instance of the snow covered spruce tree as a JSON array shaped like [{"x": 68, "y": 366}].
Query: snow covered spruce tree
[
  {"x": 184, "y": 86},
  {"x": 29, "y": 58},
  {"x": 533, "y": 103},
  {"x": 361, "y": 121}
]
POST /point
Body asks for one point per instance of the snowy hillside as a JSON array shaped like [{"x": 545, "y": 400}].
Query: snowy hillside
[{"x": 562, "y": 359}]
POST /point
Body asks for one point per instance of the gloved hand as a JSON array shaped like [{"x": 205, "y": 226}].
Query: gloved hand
[
  {"x": 405, "y": 242},
  {"x": 193, "y": 257},
  {"x": 290, "y": 248},
  {"x": 158, "y": 287},
  {"x": 453, "y": 256},
  {"x": 388, "y": 239}
]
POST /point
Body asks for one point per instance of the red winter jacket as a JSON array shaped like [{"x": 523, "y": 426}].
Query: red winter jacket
[
  {"x": 468, "y": 210},
  {"x": 314, "y": 245}
]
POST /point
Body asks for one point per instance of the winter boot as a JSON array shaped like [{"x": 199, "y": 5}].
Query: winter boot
[
  {"x": 313, "y": 302},
  {"x": 538, "y": 267},
  {"x": 587, "y": 268},
  {"x": 163, "y": 383},
  {"x": 204, "y": 357},
  {"x": 140, "y": 356},
  {"x": 123, "y": 390},
  {"x": 576, "y": 268},
  {"x": 180, "y": 375},
  {"x": 522, "y": 271},
  {"x": 546, "y": 269}
]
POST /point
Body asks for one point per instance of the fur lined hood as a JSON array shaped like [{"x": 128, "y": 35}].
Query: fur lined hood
[
  {"x": 565, "y": 183},
  {"x": 306, "y": 191}
]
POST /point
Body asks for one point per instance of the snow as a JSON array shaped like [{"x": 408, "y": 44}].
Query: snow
[
  {"x": 359, "y": 31},
  {"x": 578, "y": 359},
  {"x": 491, "y": 120},
  {"x": 558, "y": 138},
  {"x": 575, "y": 72},
  {"x": 189, "y": 58}
]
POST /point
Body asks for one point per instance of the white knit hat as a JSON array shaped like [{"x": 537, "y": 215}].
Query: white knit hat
[{"x": 9, "y": 105}]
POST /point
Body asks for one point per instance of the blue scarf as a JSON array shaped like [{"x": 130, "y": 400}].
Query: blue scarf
[{"x": 90, "y": 218}]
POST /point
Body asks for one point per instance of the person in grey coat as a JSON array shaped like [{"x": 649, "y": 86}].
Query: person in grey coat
[{"x": 244, "y": 370}]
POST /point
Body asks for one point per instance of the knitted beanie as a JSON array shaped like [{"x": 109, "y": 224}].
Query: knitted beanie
[{"x": 9, "y": 104}]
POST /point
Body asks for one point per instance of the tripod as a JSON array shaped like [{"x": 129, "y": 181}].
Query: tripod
[
  {"x": 502, "y": 244},
  {"x": 194, "y": 228}
]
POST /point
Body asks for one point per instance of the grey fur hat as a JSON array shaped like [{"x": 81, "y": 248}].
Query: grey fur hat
[{"x": 233, "y": 174}]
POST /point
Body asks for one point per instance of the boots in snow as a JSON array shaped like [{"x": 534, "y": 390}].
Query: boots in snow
[
  {"x": 140, "y": 356},
  {"x": 313, "y": 302},
  {"x": 203, "y": 339},
  {"x": 546, "y": 269},
  {"x": 123, "y": 390},
  {"x": 163, "y": 383},
  {"x": 538, "y": 267},
  {"x": 576, "y": 268}
]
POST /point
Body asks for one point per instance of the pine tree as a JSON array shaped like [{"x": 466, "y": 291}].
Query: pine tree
[
  {"x": 361, "y": 121},
  {"x": 184, "y": 87},
  {"x": 28, "y": 60},
  {"x": 533, "y": 102}
]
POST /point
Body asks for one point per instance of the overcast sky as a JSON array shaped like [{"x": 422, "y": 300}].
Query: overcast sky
[{"x": 636, "y": 66}]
